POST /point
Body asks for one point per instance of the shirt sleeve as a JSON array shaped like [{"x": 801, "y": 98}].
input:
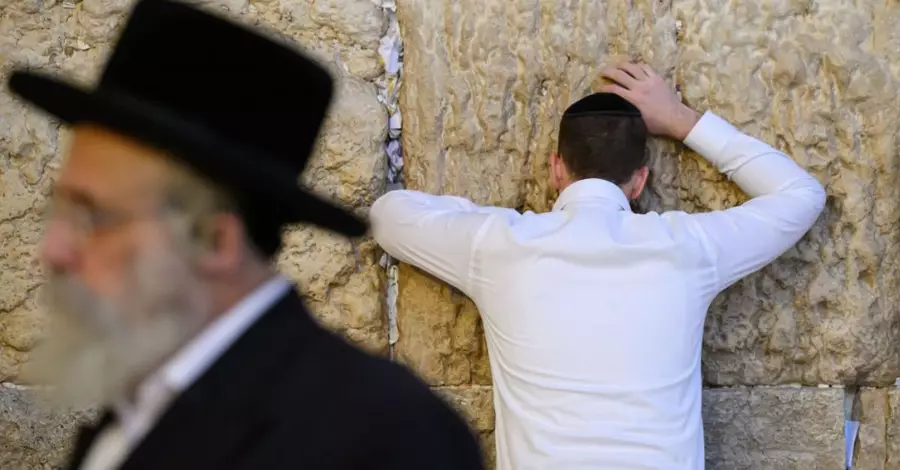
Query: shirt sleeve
[
  {"x": 438, "y": 234},
  {"x": 786, "y": 200}
]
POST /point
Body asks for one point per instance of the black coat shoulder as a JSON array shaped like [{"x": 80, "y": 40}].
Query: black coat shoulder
[{"x": 367, "y": 412}]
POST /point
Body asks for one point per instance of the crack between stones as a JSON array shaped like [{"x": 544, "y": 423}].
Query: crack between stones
[
  {"x": 852, "y": 411},
  {"x": 391, "y": 53}
]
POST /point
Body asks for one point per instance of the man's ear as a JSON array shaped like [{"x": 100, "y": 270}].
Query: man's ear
[
  {"x": 556, "y": 171},
  {"x": 638, "y": 182},
  {"x": 221, "y": 242}
]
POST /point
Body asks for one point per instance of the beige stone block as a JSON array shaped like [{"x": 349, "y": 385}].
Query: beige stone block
[
  {"x": 32, "y": 34},
  {"x": 345, "y": 32},
  {"x": 819, "y": 81},
  {"x": 33, "y": 436},
  {"x": 774, "y": 428},
  {"x": 441, "y": 336},
  {"x": 878, "y": 442},
  {"x": 485, "y": 83},
  {"x": 341, "y": 280},
  {"x": 350, "y": 166}
]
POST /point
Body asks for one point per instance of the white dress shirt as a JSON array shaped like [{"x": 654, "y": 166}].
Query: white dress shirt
[
  {"x": 134, "y": 420},
  {"x": 594, "y": 315}
]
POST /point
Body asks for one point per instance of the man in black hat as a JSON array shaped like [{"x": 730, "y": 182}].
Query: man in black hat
[
  {"x": 594, "y": 314},
  {"x": 182, "y": 171}
]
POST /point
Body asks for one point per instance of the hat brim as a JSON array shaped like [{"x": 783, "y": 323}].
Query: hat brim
[{"x": 211, "y": 154}]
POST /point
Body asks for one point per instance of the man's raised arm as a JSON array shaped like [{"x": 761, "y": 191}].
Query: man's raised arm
[
  {"x": 786, "y": 200},
  {"x": 438, "y": 234}
]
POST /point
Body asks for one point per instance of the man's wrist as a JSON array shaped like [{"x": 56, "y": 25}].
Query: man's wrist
[{"x": 684, "y": 123}]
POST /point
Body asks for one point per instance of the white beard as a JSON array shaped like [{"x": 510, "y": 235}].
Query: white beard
[{"x": 99, "y": 350}]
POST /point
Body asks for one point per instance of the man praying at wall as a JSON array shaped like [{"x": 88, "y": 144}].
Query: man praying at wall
[
  {"x": 182, "y": 172},
  {"x": 593, "y": 314}
]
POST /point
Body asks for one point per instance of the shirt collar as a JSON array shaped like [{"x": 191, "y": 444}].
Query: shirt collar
[{"x": 591, "y": 189}]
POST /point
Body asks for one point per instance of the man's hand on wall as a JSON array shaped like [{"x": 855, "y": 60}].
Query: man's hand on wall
[{"x": 662, "y": 110}]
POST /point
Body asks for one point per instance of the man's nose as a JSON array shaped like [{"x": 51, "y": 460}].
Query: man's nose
[{"x": 58, "y": 249}]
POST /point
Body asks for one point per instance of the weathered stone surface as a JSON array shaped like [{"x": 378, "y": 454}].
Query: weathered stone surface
[
  {"x": 486, "y": 81},
  {"x": 484, "y": 85},
  {"x": 767, "y": 428},
  {"x": 31, "y": 34},
  {"x": 441, "y": 336},
  {"x": 342, "y": 281},
  {"x": 32, "y": 437},
  {"x": 475, "y": 403},
  {"x": 878, "y": 443},
  {"x": 818, "y": 79}
]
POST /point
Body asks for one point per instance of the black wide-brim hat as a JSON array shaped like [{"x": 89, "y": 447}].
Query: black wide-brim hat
[{"x": 235, "y": 106}]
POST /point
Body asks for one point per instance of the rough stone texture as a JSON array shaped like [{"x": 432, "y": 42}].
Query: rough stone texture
[
  {"x": 484, "y": 84},
  {"x": 818, "y": 79},
  {"x": 440, "y": 332},
  {"x": 31, "y": 435},
  {"x": 486, "y": 81},
  {"x": 774, "y": 428},
  {"x": 878, "y": 443},
  {"x": 342, "y": 281}
]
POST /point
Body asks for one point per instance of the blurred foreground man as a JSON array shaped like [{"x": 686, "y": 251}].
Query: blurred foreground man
[
  {"x": 594, "y": 314},
  {"x": 182, "y": 171}
]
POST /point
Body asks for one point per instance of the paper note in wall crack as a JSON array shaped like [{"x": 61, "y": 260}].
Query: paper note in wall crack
[
  {"x": 389, "y": 49},
  {"x": 851, "y": 429}
]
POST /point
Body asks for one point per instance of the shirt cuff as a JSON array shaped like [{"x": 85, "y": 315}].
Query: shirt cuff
[{"x": 710, "y": 136}]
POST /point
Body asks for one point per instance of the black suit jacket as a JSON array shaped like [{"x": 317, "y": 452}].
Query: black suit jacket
[{"x": 291, "y": 395}]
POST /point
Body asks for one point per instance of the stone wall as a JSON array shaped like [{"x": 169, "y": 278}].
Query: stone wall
[{"x": 484, "y": 84}]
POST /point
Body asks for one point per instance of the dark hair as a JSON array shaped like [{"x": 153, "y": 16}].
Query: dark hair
[{"x": 607, "y": 147}]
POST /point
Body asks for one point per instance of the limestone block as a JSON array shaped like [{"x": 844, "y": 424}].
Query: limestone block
[
  {"x": 817, "y": 79},
  {"x": 476, "y": 405},
  {"x": 441, "y": 336},
  {"x": 485, "y": 83},
  {"x": 32, "y": 34},
  {"x": 32, "y": 436},
  {"x": 767, "y": 428},
  {"x": 878, "y": 442},
  {"x": 350, "y": 165},
  {"x": 347, "y": 31},
  {"x": 341, "y": 280}
]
